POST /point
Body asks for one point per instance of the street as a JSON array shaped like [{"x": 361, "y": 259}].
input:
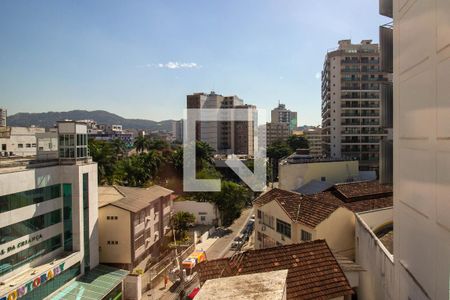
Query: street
[{"x": 221, "y": 248}]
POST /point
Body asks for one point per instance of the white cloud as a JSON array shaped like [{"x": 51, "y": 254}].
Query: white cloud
[{"x": 172, "y": 65}]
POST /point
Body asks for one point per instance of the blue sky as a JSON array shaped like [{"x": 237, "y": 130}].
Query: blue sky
[{"x": 139, "y": 59}]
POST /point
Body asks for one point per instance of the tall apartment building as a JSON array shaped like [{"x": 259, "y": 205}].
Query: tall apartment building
[
  {"x": 421, "y": 147},
  {"x": 277, "y": 132},
  {"x": 221, "y": 135},
  {"x": 314, "y": 137},
  {"x": 351, "y": 88},
  {"x": 177, "y": 130},
  {"x": 283, "y": 121},
  {"x": 3, "y": 114},
  {"x": 281, "y": 114},
  {"x": 48, "y": 220}
]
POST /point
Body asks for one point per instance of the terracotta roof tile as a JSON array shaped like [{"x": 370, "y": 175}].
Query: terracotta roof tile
[
  {"x": 362, "y": 189},
  {"x": 299, "y": 208},
  {"x": 313, "y": 272}
]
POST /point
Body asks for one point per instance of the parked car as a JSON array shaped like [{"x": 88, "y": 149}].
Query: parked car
[{"x": 237, "y": 243}]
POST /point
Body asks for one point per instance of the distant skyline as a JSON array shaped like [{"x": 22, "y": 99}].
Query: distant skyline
[{"x": 139, "y": 59}]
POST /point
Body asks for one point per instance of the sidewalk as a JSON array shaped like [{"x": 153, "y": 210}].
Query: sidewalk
[{"x": 206, "y": 244}]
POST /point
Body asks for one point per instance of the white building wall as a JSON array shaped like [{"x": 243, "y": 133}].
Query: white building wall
[
  {"x": 422, "y": 153},
  {"x": 293, "y": 176},
  {"x": 199, "y": 209},
  {"x": 377, "y": 279}
]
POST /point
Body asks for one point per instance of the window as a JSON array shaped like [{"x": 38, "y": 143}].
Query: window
[
  {"x": 30, "y": 197},
  {"x": 19, "y": 145},
  {"x": 323, "y": 178},
  {"x": 28, "y": 145},
  {"x": 202, "y": 218},
  {"x": 259, "y": 214},
  {"x": 306, "y": 236},
  {"x": 17, "y": 230},
  {"x": 3, "y": 147},
  {"x": 284, "y": 228}
]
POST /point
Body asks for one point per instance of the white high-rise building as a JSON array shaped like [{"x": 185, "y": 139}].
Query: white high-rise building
[
  {"x": 48, "y": 219},
  {"x": 351, "y": 84},
  {"x": 421, "y": 147}
]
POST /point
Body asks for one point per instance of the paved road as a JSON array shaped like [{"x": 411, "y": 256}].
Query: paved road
[{"x": 221, "y": 248}]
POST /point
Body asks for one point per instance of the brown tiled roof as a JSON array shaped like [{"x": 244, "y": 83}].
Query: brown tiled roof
[
  {"x": 313, "y": 272},
  {"x": 355, "y": 206},
  {"x": 363, "y": 189},
  {"x": 132, "y": 199},
  {"x": 298, "y": 207}
]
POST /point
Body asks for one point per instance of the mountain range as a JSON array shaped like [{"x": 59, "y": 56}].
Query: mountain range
[{"x": 49, "y": 119}]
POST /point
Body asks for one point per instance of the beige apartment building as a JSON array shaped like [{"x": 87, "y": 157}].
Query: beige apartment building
[
  {"x": 281, "y": 114},
  {"x": 314, "y": 137},
  {"x": 277, "y": 132},
  {"x": 132, "y": 223},
  {"x": 297, "y": 171},
  {"x": 285, "y": 217},
  {"x": 351, "y": 86},
  {"x": 282, "y": 123}
]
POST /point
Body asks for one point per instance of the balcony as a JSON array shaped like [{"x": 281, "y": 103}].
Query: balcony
[
  {"x": 387, "y": 106},
  {"x": 386, "y": 8},
  {"x": 139, "y": 227},
  {"x": 387, "y": 48}
]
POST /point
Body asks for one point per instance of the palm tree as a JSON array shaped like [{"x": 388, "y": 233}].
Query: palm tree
[
  {"x": 142, "y": 143},
  {"x": 119, "y": 147},
  {"x": 152, "y": 162}
]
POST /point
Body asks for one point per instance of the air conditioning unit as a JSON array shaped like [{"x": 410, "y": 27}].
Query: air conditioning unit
[{"x": 263, "y": 228}]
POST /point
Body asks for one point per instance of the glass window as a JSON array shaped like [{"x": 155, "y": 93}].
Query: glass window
[
  {"x": 30, "y": 197},
  {"x": 19, "y": 145},
  {"x": 284, "y": 228},
  {"x": 14, "y": 261},
  {"x": 29, "y": 226},
  {"x": 67, "y": 212},
  {"x": 306, "y": 236}
]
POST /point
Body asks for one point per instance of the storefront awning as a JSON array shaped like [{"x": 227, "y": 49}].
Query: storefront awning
[{"x": 94, "y": 285}]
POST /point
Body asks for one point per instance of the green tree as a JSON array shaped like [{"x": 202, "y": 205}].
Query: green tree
[
  {"x": 141, "y": 143},
  {"x": 297, "y": 142},
  {"x": 180, "y": 222},
  {"x": 104, "y": 155},
  {"x": 204, "y": 154},
  {"x": 275, "y": 152},
  {"x": 119, "y": 148},
  {"x": 230, "y": 201}
]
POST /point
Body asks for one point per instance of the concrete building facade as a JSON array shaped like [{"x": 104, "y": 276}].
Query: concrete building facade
[
  {"x": 132, "y": 223},
  {"x": 293, "y": 172},
  {"x": 283, "y": 115},
  {"x": 48, "y": 219},
  {"x": 421, "y": 147},
  {"x": 225, "y": 137},
  {"x": 351, "y": 87},
  {"x": 277, "y": 132}
]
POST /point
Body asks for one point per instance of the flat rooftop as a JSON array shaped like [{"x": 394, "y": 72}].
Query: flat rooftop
[
  {"x": 262, "y": 286},
  {"x": 17, "y": 164},
  {"x": 31, "y": 273},
  {"x": 307, "y": 159}
]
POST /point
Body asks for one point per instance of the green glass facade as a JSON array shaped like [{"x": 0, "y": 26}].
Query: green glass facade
[
  {"x": 17, "y": 260},
  {"x": 30, "y": 197},
  {"x": 67, "y": 202},
  {"x": 54, "y": 284},
  {"x": 29, "y": 226},
  {"x": 87, "y": 260}
]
